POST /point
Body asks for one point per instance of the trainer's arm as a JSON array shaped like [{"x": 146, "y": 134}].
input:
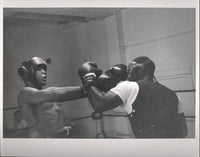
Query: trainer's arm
[
  {"x": 52, "y": 94},
  {"x": 101, "y": 101}
]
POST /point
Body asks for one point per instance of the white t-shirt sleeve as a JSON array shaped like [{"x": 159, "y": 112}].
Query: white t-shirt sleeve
[{"x": 128, "y": 92}]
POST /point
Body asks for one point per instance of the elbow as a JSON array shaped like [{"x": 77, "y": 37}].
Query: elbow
[
  {"x": 101, "y": 106},
  {"x": 97, "y": 109},
  {"x": 98, "y": 101}
]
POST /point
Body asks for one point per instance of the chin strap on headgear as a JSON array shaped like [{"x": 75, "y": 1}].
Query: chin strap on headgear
[{"x": 29, "y": 67}]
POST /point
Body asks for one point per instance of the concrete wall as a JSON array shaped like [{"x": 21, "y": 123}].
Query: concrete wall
[{"x": 165, "y": 35}]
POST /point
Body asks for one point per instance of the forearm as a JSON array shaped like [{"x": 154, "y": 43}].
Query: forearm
[
  {"x": 61, "y": 94},
  {"x": 31, "y": 95},
  {"x": 101, "y": 101},
  {"x": 96, "y": 98}
]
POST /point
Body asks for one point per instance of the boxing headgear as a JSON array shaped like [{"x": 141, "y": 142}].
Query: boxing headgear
[
  {"x": 112, "y": 76},
  {"x": 29, "y": 67},
  {"x": 142, "y": 66}
]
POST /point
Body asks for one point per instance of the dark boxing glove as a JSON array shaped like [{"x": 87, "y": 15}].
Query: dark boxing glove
[
  {"x": 112, "y": 76},
  {"x": 89, "y": 73}
]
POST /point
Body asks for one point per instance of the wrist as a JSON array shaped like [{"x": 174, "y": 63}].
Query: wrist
[
  {"x": 88, "y": 80},
  {"x": 83, "y": 90}
]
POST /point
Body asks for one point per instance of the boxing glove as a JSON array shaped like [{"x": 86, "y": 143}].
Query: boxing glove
[
  {"x": 89, "y": 73},
  {"x": 112, "y": 76}
]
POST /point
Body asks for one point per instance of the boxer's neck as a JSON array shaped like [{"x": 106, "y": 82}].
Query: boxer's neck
[
  {"x": 34, "y": 85},
  {"x": 147, "y": 78}
]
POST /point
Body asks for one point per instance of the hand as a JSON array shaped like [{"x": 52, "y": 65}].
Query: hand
[
  {"x": 88, "y": 73},
  {"x": 112, "y": 76}
]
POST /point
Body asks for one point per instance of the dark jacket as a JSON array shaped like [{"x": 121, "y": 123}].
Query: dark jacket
[{"x": 154, "y": 111}]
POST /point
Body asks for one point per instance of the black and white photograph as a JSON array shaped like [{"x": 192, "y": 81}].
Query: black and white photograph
[{"x": 99, "y": 73}]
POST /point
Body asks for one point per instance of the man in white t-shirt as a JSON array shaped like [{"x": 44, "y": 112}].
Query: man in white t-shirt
[{"x": 152, "y": 108}]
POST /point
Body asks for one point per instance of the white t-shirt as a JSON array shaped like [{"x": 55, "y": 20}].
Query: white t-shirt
[{"x": 128, "y": 92}]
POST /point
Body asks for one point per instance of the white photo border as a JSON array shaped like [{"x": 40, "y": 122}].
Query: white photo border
[{"x": 94, "y": 147}]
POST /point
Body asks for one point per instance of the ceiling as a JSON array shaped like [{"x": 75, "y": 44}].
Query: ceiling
[{"x": 58, "y": 14}]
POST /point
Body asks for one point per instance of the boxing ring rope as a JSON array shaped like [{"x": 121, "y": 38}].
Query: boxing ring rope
[
  {"x": 176, "y": 91},
  {"x": 99, "y": 116},
  {"x": 10, "y": 108}
]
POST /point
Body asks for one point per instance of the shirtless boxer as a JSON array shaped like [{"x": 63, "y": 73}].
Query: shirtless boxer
[{"x": 39, "y": 105}]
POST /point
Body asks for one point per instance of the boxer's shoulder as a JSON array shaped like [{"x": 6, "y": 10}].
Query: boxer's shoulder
[
  {"x": 24, "y": 96},
  {"x": 26, "y": 91}
]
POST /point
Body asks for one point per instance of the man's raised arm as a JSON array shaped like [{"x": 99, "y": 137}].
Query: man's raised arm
[{"x": 51, "y": 94}]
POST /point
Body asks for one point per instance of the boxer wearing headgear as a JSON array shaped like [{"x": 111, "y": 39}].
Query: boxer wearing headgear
[
  {"x": 39, "y": 105},
  {"x": 153, "y": 109},
  {"x": 28, "y": 69}
]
